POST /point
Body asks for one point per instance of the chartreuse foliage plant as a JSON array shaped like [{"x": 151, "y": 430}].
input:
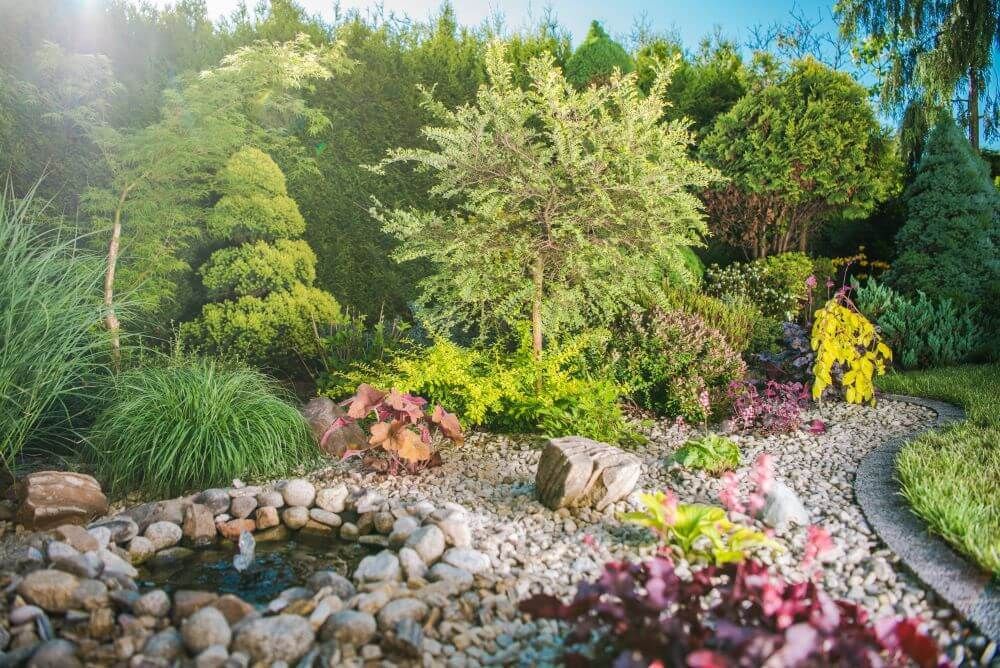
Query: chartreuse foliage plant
[
  {"x": 562, "y": 202},
  {"x": 698, "y": 532},
  {"x": 951, "y": 477},
  {"x": 847, "y": 345},
  {"x": 923, "y": 332},
  {"x": 268, "y": 312},
  {"x": 194, "y": 424},
  {"x": 53, "y": 352},
  {"x": 709, "y": 452},
  {"x": 562, "y": 393}
]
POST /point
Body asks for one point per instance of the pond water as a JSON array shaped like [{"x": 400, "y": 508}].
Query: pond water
[{"x": 277, "y": 566}]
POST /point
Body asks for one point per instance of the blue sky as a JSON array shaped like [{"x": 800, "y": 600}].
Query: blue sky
[{"x": 692, "y": 19}]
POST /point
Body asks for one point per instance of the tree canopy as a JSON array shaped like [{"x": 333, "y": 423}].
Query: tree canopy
[
  {"x": 563, "y": 201},
  {"x": 597, "y": 57}
]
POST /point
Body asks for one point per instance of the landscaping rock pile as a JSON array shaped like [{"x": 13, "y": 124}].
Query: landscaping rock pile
[{"x": 71, "y": 595}]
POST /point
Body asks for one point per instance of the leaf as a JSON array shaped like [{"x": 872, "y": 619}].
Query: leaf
[
  {"x": 448, "y": 424},
  {"x": 364, "y": 401},
  {"x": 408, "y": 445}
]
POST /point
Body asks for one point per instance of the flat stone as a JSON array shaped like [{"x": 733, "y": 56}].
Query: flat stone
[
  {"x": 272, "y": 639},
  {"x": 115, "y": 564},
  {"x": 189, "y": 601},
  {"x": 427, "y": 541},
  {"x": 122, "y": 528},
  {"x": 271, "y": 498},
  {"x": 232, "y": 529},
  {"x": 338, "y": 584},
  {"x": 87, "y": 565},
  {"x": 171, "y": 510},
  {"x": 170, "y": 557},
  {"x": 467, "y": 559},
  {"x": 456, "y": 530},
  {"x": 314, "y": 528},
  {"x": 232, "y": 607},
  {"x": 49, "y": 499},
  {"x": 576, "y": 471},
  {"x": 90, "y": 595},
  {"x": 77, "y": 537},
  {"x": 452, "y": 575},
  {"x": 332, "y": 499},
  {"x": 163, "y": 534},
  {"x": 205, "y": 628},
  {"x": 325, "y": 517},
  {"x": 349, "y": 627},
  {"x": 298, "y": 492},
  {"x": 55, "y": 653},
  {"x": 274, "y": 534}
]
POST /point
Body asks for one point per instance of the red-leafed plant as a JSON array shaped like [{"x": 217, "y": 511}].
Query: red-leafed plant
[
  {"x": 400, "y": 427},
  {"x": 644, "y": 614},
  {"x": 771, "y": 408}
]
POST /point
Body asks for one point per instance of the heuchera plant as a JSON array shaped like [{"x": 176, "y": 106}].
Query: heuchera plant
[
  {"x": 775, "y": 410},
  {"x": 402, "y": 428},
  {"x": 644, "y": 614}
]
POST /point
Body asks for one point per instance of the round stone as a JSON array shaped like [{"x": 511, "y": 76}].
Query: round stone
[
  {"x": 206, "y": 627},
  {"x": 295, "y": 517},
  {"x": 380, "y": 567},
  {"x": 467, "y": 559},
  {"x": 163, "y": 534},
  {"x": 271, "y": 498},
  {"x": 140, "y": 550},
  {"x": 298, "y": 492},
  {"x": 325, "y": 517},
  {"x": 50, "y": 590},
  {"x": 400, "y": 609},
  {"x": 428, "y": 542},
  {"x": 242, "y": 506},
  {"x": 339, "y": 586},
  {"x": 272, "y": 639},
  {"x": 155, "y": 603},
  {"x": 349, "y": 627},
  {"x": 413, "y": 566},
  {"x": 332, "y": 499},
  {"x": 217, "y": 500}
]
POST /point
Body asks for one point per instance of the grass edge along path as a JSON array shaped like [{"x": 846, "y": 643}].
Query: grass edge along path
[{"x": 951, "y": 477}]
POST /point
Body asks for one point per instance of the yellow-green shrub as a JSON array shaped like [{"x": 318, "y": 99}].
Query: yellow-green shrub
[
  {"x": 258, "y": 268},
  {"x": 845, "y": 341}
]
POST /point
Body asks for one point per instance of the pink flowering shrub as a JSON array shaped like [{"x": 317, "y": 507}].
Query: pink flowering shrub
[
  {"x": 774, "y": 410},
  {"x": 645, "y": 614}
]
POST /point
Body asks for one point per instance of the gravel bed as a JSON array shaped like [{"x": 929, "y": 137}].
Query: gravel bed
[{"x": 534, "y": 549}]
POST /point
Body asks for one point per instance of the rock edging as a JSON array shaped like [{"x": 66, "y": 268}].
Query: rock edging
[{"x": 951, "y": 576}]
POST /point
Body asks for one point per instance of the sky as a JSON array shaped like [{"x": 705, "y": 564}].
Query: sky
[{"x": 691, "y": 19}]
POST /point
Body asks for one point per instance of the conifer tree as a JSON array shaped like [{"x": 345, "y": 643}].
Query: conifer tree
[
  {"x": 597, "y": 57},
  {"x": 268, "y": 311},
  {"x": 948, "y": 245}
]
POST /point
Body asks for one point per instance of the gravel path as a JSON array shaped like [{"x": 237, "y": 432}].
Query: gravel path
[{"x": 534, "y": 549}]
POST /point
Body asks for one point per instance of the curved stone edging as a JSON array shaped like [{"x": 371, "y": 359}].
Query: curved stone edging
[{"x": 951, "y": 576}]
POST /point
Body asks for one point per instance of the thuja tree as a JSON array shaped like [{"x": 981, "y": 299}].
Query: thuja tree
[
  {"x": 268, "y": 311},
  {"x": 562, "y": 200},
  {"x": 803, "y": 146},
  {"x": 597, "y": 58},
  {"x": 948, "y": 245}
]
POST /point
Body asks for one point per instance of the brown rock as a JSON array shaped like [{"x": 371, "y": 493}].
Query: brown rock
[
  {"x": 50, "y": 498},
  {"x": 321, "y": 412},
  {"x": 49, "y": 589},
  {"x": 77, "y": 536},
  {"x": 102, "y": 624},
  {"x": 267, "y": 517},
  {"x": 199, "y": 524},
  {"x": 232, "y": 607},
  {"x": 189, "y": 601},
  {"x": 232, "y": 529},
  {"x": 576, "y": 471}
]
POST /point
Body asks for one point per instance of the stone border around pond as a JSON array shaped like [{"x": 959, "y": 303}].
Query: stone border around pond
[
  {"x": 83, "y": 575},
  {"x": 955, "y": 579}
]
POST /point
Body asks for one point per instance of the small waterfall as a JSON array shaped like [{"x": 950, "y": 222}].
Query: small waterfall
[{"x": 246, "y": 544}]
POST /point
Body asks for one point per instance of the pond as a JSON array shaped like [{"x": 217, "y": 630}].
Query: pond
[{"x": 277, "y": 566}]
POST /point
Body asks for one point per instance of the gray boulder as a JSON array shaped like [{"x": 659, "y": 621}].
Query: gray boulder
[{"x": 576, "y": 471}]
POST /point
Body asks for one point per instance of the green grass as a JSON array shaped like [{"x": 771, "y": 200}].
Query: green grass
[
  {"x": 952, "y": 477},
  {"x": 53, "y": 349},
  {"x": 194, "y": 424}
]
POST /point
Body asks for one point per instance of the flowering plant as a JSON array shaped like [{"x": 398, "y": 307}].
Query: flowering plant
[
  {"x": 645, "y": 614},
  {"x": 402, "y": 428},
  {"x": 775, "y": 410}
]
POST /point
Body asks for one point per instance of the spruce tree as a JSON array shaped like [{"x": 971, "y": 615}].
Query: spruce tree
[
  {"x": 948, "y": 245},
  {"x": 267, "y": 311},
  {"x": 597, "y": 58}
]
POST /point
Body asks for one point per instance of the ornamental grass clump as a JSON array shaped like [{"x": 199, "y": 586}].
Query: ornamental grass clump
[{"x": 195, "y": 424}]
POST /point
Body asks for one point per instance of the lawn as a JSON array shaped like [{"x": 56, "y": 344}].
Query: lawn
[{"x": 952, "y": 477}]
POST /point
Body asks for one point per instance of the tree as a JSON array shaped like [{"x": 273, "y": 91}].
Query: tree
[
  {"x": 269, "y": 313},
  {"x": 948, "y": 246},
  {"x": 931, "y": 50},
  {"x": 799, "y": 150},
  {"x": 161, "y": 174},
  {"x": 597, "y": 57},
  {"x": 562, "y": 200}
]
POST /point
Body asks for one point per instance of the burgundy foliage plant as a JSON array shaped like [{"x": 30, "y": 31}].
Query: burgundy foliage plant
[{"x": 771, "y": 408}]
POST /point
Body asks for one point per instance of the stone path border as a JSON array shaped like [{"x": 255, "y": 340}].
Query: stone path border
[{"x": 965, "y": 586}]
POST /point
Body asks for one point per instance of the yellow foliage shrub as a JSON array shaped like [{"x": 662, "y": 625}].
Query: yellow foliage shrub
[{"x": 844, "y": 338}]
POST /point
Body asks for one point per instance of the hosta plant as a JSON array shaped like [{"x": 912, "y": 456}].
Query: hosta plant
[
  {"x": 709, "y": 452},
  {"x": 399, "y": 426},
  {"x": 698, "y": 532},
  {"x": 848, "y": 345},
  {"x": 645, "y": 614},
  {"x": 769, "y": 407}
]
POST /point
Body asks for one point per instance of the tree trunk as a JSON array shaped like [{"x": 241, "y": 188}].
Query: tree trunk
[
  {"x": 973, "y": 109},
  {"x": 537, "y": 278},
  {"x": 110, "y": 318}
]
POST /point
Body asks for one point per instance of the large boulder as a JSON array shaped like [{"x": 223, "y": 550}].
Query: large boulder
[
  {"x": 321, "y": 413},
  {"x": 50, "y": 498},
  {"x": 576, "y": 471}
]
